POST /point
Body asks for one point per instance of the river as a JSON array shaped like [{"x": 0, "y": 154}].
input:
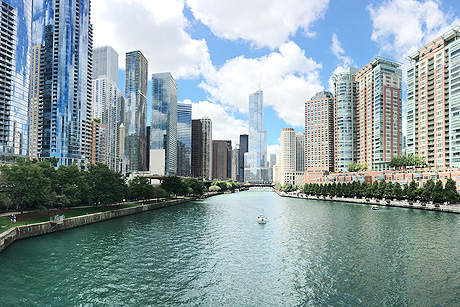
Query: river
[{"x": 214, "y": 253}]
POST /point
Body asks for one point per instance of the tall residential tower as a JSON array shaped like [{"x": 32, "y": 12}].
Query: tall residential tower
[
  {"x": 135, "y": 111},
  {"x": 15, "y": 51},
  {"x": 433, "y": 101},
  {"x": 62, "y": 76}
]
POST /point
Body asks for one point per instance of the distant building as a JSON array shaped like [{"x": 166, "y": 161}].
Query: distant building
[
  {"x": 319, "y": 132},
  {"x": 107, "y": 102},
  {"x": 184, "y": 139},
  {"x": 98, "y": 146},
  {"x": 235, "y": 162},
  {"x": 243, "y": 148},
  {"x": 221, "y": 158},
  {"x": 163, "y": 134},
  {"x": 287, "y": 165},
  {"x": 201, "y": 154},
  {"x": 135, "y": 111},
  {"x": 255, "y": 160},
  {"x": 300, "y": 152}
]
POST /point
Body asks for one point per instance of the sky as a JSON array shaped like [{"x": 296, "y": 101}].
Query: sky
[{"x": 219, "y": 52}]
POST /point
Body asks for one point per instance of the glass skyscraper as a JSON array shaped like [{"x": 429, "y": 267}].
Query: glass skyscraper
[
  {"x": 106, "y": 101},
  {"x": 255, "y": 160},
  {"x": 163, "y": 126},
  {"x": 184, "y": 139},
  {"x": 62, "y": 75},
  {"x": 15, "y": 34},
  {"x": 345, "y": 89},
  {"x": 135, "y": 111}
]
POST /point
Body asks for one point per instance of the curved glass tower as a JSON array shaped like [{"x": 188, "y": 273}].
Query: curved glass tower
[
  {"x": 15, "y": 34},
  {"x": 62, "y": 62},
  {"x": 135, "y": 111}
]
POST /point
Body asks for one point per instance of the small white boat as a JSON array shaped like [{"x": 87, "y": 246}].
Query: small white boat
[
  {"x": 375, "y": 207},
  {"x": 262, "y": 219}
]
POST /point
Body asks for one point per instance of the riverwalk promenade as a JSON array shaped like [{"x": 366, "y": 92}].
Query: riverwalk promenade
[
  {"x": 26, "y": 231},
  {"x": 451, "y": 208}
]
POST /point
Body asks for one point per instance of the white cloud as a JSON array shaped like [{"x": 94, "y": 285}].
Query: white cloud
[
  {"x": 403, "y": 26},
  {"x": 344, "y": 61},
  {"x": 264, "y": 23},
  {"x": 156, "y": 27},
  {"x": 224, "y": 125},
  {"x": 288, "y": 78}
]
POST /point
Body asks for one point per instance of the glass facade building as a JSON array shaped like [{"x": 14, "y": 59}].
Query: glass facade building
[
  {"x": 62, "y": 42},
  {"x": 135, "y": 111},
  {"x": 255, "y": 160},
  {"x": 184, "y": 139},
  {"x": 15, "y": 35},
  {"x": 345, "y": 90},
  {"x": 163, "y": 125}
]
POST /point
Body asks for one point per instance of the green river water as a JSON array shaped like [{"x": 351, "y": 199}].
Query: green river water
[{"x": 214, "y": 253}]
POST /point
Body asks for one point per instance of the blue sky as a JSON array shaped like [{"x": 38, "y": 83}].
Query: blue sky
[{"x": 219, "y": 52}]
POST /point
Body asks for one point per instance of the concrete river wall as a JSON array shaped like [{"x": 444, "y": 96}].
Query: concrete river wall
[{"x": 27, "y": 231}]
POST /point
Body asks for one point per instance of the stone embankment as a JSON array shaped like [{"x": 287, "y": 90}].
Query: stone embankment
[
  {"x": 453, "y": 208},
  {"x": 27, "y": 231}
]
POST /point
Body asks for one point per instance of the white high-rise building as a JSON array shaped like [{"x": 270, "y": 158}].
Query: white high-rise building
[{"x": 289, "y": 168}]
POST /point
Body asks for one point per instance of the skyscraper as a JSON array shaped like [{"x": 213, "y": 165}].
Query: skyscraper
[
  {"x": 433, "y": 101},
  {"x": 135, "y": 111},
  {"x": 184, "y": 139},
  {"x": 206, "y": 128},
  {"x": 62, "y": 43},
  {"x": 244, "y": 138},
  {"x": 292, "y": 157},
  {"x": 202, "y": 148},
  {"x": 221, "y": 158},
  {"x": 379, "y": 113},
  {"x": 15, "y": 34},
  {"x": 255, "y": 160},
  {"x": 105, "y": 61},
  {"x": 163, "y": 125},
  {"x": 319, "y": 132},
  {"x": 345, "y": 91},
  {"x": 107, "y": 102},
  {"x": 300, "y": 152}
]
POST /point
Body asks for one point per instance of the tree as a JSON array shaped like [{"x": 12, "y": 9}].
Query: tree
[
  {"x": 397, "y": 191},
  {"x": 278, "y": 186},
  {"x": 438, "y": 192},
  {"x": 214, "y": 188},
  {"x": 105, "y": 186},
  {"x": 26, "y": 185},
  {"x": 159, "y": 192},
  {"x": 140, "y": 188},
  {"x": 70, "y": 182},
  {"x": 412, "y": 192},
  {"x": 388, "y": 191},
  {"x": 173, "y": 185},
  {"x": 450, "y": 191},
  {"x": 196, "y": 185},
  {"x": 427, "y": 190}
]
